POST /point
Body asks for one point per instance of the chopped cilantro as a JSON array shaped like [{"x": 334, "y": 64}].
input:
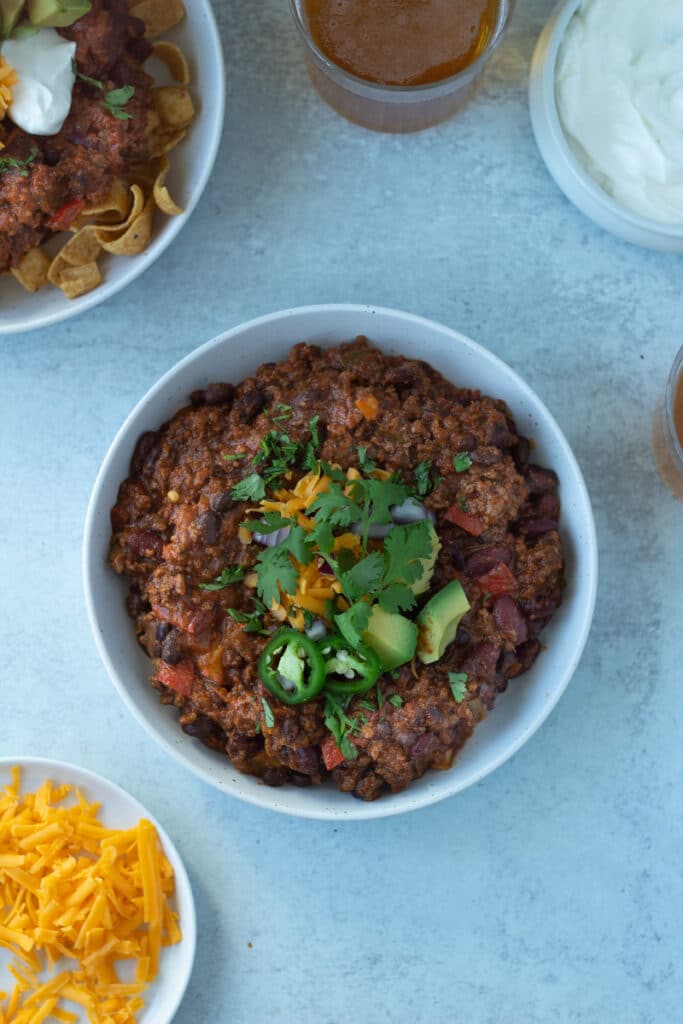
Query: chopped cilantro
[
  {"x": 365, "y": 577},
  {"x": 366, "y": 464},
  {"x": 426, "y": 479},
  {"x": 396, "y": 700},
  {"x": 12, "y": 163},
  {"x": 96, "y": 84},
  {"x": 275, "y": 569},
  {"x": 235, "y": 455},
  {"x": 354, "y": 621},
  {"x": 283, "y": 412},
  {"x": 366, "y": 705},
  {"x": 232, "y": 574},
  {"x": 252, "y": 621},
  {"x": 462, "y": 462},
  {"x": 462, "y": 503},
  {"x": 115, "y": 100},
  {"x": 252, "y": 488},
  {"x": 268, "y": 523},
  {"x": 268, "y": 715},
  {"x": 340, "y": 725},
  {"x": 458, "y": 682}
]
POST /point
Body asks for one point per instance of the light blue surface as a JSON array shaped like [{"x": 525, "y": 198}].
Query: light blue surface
[{"x": 551, "y": 892}]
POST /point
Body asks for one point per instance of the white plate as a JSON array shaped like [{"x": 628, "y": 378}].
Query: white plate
[
  {"x": 191, "y": 165},
  {"x": 233, "y": 356},
  {"x": 120, "y": 810}
]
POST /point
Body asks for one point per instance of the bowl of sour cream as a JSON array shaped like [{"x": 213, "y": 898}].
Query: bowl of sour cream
[{"x": 606, "y": 98}]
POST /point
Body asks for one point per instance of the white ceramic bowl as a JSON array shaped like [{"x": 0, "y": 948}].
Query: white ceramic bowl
[
  {"x": 191, "y": 164},
  {"x": 235, "y": 355},
  {"x": 120, "y": 810},
  {"x": 565, "y": 167}
]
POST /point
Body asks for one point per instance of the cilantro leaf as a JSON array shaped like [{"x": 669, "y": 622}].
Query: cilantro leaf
[
  {"x": 366, "y": 464},
  {"x": 353, "y": 622},
  {"x": 340, "y": 725},
  {"x": 252, "y": 621},
  {"x": 96, "y": 84},
  {"x": 458, "y": 683},
  {"x": 426, "y": 479},
  {"x": 462, "y": 503},
  {"x": 268, "y": 715},
  {"x": 235, "y": 455},
  {"x": 297, "y": 543},
  {"x": 378, "y": 498},
  {"x": 335, "y": 507},
  {"x": 397, "y": 598},
  {"x": 252, "y": 488},
  {"x": 275, "y": 571},
  {"x": 365, "y": 577},
  {"x": 396, "y": 700},
  {"x": 115, "y": 100},
  {"x": 269, "y": 523},
  {"x": 462, "y": 462},
  {"x": 406, "y": 548},
  {"x": 12, "y": 163},
  {"x": 232, "y": 574}
]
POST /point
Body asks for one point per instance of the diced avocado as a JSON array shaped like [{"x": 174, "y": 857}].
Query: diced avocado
[
  {"x": 392, "y": 637},
  {"x": 438, "y": 621},
  {"x": 10, "y": 12},
  {"x": 422, "y": 583},
  {"x": 56, "y": 13}
]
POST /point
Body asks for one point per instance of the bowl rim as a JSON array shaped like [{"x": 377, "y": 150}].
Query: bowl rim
[
  {"x": 189, "y": 918},
  {"x": 262, "y": 796},
  {"x": 550, "y": 134},
  {"x": 397, "y": 93},
  {"x": 172, "y": 226}
]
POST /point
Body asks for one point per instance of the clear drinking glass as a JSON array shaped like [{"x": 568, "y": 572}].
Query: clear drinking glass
[
  {"x": 393, "y": 108},
  {"x": 668, "y": 430}
]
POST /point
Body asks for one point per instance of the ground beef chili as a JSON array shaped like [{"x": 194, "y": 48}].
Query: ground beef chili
[
  {"x": 175, "y": 525},
  {"x": 76, "y": 167}
]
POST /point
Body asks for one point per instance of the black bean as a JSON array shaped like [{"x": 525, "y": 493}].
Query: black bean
[
  {"x": 214, "y": 394},
  {"x": 136, "y": 603},
  {"x": 163, "y": 629},
  {"x": 275, "y": 776},
  {"x": 221, "y": 502},
  {"x": 528, "y": 653},
  {"x": 522, "y": 451},
  {"x": 306, "y": 760},
  {"x": 455, "y": 555},
  {"x": 169, "y": 649},
  {"x": 462, "y": 637},
  {"x": 250, "y": 404},
  {"x": 201, "y": 728},
  {"x": 209, "y": 525},
  {"x": 499, "y": 435},
  {"x": 145, "y": 451},
  {"x": 296, "y": 779}
]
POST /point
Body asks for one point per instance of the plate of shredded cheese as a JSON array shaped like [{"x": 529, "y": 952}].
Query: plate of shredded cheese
[{"x": 97, "y": 919}]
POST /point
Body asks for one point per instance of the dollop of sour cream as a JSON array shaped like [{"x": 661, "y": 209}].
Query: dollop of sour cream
[
  {"x": 41, "y": 99},
  {"x": 619, "y": 90}
]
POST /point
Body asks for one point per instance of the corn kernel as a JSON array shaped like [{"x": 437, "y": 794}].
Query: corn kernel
[{"x": 173, "y": 496}]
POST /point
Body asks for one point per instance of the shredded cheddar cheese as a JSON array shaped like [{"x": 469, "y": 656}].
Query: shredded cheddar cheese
[
  {"x": 8, "y": 78},
  {"x": 71, "y": 888}
]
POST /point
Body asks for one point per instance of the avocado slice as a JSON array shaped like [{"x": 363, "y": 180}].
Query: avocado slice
[
  {"x": 422, "y": 583},
  {"x": 57, "y": 13},
  {"x": 10, "y": 12},
  {"x": 438, "y": 621},
  {"x": 391, "y": 636}
]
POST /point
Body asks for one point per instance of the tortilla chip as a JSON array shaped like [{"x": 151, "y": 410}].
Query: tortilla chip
[
  {"x": 31, "y": 272},
  {"x": 104, "y": 231},
  {"x": 81, "y": 249},
  {"x": 75, "y": 281},
  {"x": 158, "y": 15},
  {"x": 135, "y": 238},
  {"x": 164, "y": 142},
  {"x": 162, "y": 196},
  {"x": 174, "y": 106},
  {"x": 117, "y": 202},
  {"x": 174, "y": 59}
]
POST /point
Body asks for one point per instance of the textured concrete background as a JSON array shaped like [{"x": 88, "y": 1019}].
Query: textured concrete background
[{"x": 551, "y": 892}]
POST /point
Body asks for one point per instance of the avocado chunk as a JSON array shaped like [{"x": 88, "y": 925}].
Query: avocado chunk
[
  {"x": 391, "y": 636},
  {"x": 438, "y": 621},
  {"x": 422, "y": 582},
  {"x": 10, "y": 12},
  {"x": 56, "y": 13}
]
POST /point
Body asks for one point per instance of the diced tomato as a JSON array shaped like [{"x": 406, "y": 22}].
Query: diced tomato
[
  {"x": 66, "y": 215},
  {"x": 332, "y": 755},
  {"x": 471, "y": 524},
  {"x": 368, "y": 406},
  {"x": 498, "y": 581},
  {"x": 178, "y": 677},
  {"x": 211, "y": 664}
]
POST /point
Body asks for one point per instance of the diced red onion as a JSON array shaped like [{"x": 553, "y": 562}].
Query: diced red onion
[
  {"x": 271, "y": 540},
  {"x": 375, "y": 532},
  {"x": 409, "y": 511}
]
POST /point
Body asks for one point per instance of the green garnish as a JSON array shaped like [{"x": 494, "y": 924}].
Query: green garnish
[
  {"x": 282, "y": 413},
  {"x": 252, "y": 621},
  {"x": 396, "y": 700},
  {"x": 426, "y": 479},
  {"x": 252, "y": 488},
  {"x": 235, "y": 456},
  {"x": 340, "y": 725},
  {"x": 462, "y": 503},
  {"x": 268, "y": 715},
  {"x": 269, "y": 523},
  {"x": 462, "y": 462},
  {"x": 12, "y": 163},
  {"x": 96, "y": 84},
  {"x": 458, "y": 683},
  {"x": 115, "y": 100},
  {"x": 233, "y": 574},
  {"x": 366, "y": 464},
  {"x": 275, "y": 569}
]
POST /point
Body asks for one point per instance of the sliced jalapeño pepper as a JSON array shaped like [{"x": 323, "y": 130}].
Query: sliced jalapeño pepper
[
  {"x": 348, "y": 669},
  {"x": 291, "y": 667}
]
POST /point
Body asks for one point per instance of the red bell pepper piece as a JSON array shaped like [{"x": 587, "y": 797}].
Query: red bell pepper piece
[
  {"x": 178, "y": 677},
  {"x": 498, "y": 581},
  {"x": 332, "y": 755},
  {"x": 66, "y": 215},
  {"x": 471, "y": 524}
]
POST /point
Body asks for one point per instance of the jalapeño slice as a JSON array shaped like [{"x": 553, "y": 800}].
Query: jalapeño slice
[
  {"x": 291, "y": 667},
  {"x": 348, "y": 669}
]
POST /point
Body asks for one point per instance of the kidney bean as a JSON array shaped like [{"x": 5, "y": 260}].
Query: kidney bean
[
  {"x": 548, "y": 506},
  {"x": 528, "y": 653},
  {"x": 536, "y": 527},
  {"x": 522, "y": 451},
  {"x": 510, "y": 620},
  {"x": 484, "y": 559},
  {"x": 499, "y": 435},
  {"x": 539, "y": 608},
  {"x": 481, "y": 663},
  {"x": 540, "y": 480},
  {"x": 145, "y": 544},
  {"x": 306, "y": 760},
  {"x": 401, "y": 377},
  {"x": 462, "y": 637},
  {"x": 214, "y": 394},
  {"x": 145, "y": 451},
  {"x": 274, "y": 776},
  {"x": 455, "y": 554},
  {"x": 136, "y": 603},
  {"x": 169, "y": 649},
  {"x": 250, "y": 404},
  {"x": 296, "y": 779},
  {"x": 423, "y": 746},
  {"x": 209, "y": 525}
]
